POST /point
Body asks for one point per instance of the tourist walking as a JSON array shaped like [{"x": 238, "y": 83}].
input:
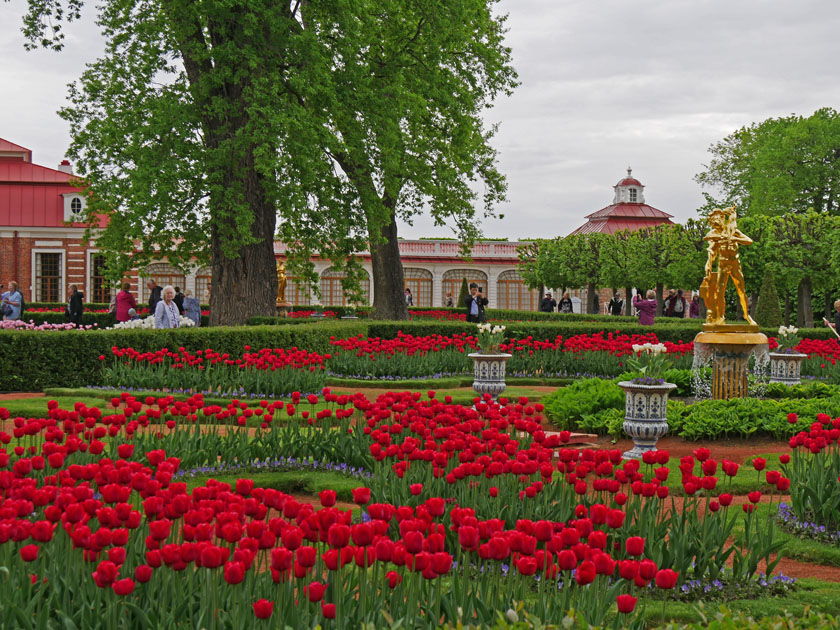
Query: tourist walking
[
  {"x": 565, "y": 305},
  {"x": 192, "y": 308},
  {"x": 667, "y": 303},
  {"x": 125, "y": 302},
  {"x": 475, "y": 303},
  {"x": 409, "y": 299},
  {"x": 678, "y": 305},
  {"x": 646, "y": 308},
  {"x": 74, "y": 309},
  {"x": 179, "y": 300},
  {"x": 166, "y": 311},
  {"x": 154, "y": 295},
  {"x": 11, "y": 302},
  {"x": 694, "y": 307},
  {"x": 548, "y": 304},
  {"x": 616, "y": 305}
]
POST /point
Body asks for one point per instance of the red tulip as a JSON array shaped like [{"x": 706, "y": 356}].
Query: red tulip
[
  {"x": 143, "y": 573},
  {"x": 29, "y": 553},
  {"x": 585, "y": 573},
  {"x": 361, "y": 495},
  {"x": 234, "y": 572},
  {"x": 263, "y": 608},
  {"x": 666, "y": 578},
  {"x": 315, "y": 591},
  {"x": 626, "y": 603},
  {"x": 327, "y": 497},
  {"x": 328, "y": 610},
  {"x": 635, "y": 546}
]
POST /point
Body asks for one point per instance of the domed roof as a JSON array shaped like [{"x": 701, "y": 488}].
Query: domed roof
[{"x": 629, "y": 180}]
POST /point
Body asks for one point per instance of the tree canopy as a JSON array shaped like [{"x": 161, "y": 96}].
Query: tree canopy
[{"x": 203, "y": 123}]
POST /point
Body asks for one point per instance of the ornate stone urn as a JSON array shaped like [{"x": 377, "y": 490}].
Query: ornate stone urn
[
  {"x": 489, "y": 372},
  {"x": 785, "y": 367},
  {"x": 645, "y": 414}
]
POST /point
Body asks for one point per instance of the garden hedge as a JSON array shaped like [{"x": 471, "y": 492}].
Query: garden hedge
[
  {"x": 33, "y": 361},
  {"x": 102, "y": 320}
]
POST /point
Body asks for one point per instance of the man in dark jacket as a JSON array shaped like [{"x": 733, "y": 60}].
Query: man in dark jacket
[
  {"x": 475, "y": 303},
  {"x": 179, "y": 300},
  {"x": 616, "y": 304},
  {"x": 74, "y": 308},
  {"x": 154, "y": 296},
  {"x": 548, "y": 304}
]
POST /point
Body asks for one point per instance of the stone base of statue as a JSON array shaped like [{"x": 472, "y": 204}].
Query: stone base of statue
[
  {"x": 283, "y": 308},
  {"x": 730, "y": 347}
]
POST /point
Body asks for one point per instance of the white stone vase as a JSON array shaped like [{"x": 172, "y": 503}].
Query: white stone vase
[
  {"x": 785, "y": 367},
  {"x": 489, "y": 373},
  {"x": 645, "y": 415}
]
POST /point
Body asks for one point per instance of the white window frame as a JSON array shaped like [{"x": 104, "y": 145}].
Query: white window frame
[
  {"x": 633, "y": 195},
  {"x": 62, "y": 284}
]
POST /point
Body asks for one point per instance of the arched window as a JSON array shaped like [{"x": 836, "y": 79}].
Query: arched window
[
  {"x": 420, "y": 283},
  {"x": 162, "y": 274},
  {"x": 332, "y": 293},
  {"x": 452, "y": 282},
  {"x": 512, "y": 293},
  {"x": 202, "y": 285},
  {"x": 297, "y": 292}
]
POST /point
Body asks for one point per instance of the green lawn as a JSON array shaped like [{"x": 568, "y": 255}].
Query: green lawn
[{"x": 37, "y": 407}]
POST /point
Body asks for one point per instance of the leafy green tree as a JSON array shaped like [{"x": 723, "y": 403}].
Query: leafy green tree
[
  {"x": 463, "y": 293},
  {"x": 571, "y": 261},
  {"x": 616, "y": 270},
  {"x": 780, "y": 165},
  {"x": 206, "y": 121},
  {"x": 767, "y": 311}
]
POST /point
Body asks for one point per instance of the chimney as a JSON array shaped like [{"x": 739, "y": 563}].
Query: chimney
[{"x": 65, "y": 167}]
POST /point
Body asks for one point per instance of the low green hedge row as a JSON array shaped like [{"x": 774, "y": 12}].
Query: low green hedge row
[
  {"x": 33, "y": 361},
  {"x": 102, "y": 320}
]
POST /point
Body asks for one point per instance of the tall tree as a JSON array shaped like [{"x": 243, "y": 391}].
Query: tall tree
[
  {"x": 616, "y": 265},
  {"x": 780, "y": 165},
  {"x": 573, "y": 261},
  {"x": 205, "y": 121}
]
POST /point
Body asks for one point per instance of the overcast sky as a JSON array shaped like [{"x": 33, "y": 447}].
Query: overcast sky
[{"x": 605, "y": 84}]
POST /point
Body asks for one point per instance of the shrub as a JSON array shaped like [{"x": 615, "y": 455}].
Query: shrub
[
  {"x": 567, "y": 406},
  {"x": 767, "y": 311},
  {"x": 463, "y": 293}
]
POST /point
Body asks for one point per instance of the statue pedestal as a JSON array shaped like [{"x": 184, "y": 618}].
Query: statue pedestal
[
  {"x": 283, "y": 308},
  {"x": 730, "y": 347}
]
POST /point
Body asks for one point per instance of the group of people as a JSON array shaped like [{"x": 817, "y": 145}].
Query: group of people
[
  {"x": 548, "y": 304},
  {"x": 675, "y": 305},
  {"x": 168, "y": 305}
]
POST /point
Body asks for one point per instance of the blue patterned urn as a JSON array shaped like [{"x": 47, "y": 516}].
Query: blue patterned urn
[
  {"x": 785, "y": 367},
  {"x": 645, "y": 415},
  {"x": 489, "y": 373}
]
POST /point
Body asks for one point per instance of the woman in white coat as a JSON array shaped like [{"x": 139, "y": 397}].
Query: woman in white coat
[{"x": 167, "y": 314}]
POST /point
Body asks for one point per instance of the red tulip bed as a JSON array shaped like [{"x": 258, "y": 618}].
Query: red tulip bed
[{"x": 469, "y": 510}]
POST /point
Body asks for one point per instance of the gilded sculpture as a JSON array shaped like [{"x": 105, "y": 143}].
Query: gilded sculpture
[
  {"x": 281, "y": 284},
  {"x": 724, "y": 239}
]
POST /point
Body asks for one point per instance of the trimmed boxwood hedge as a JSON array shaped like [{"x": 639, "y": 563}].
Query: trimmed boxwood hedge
[
  {"x": 102, "y": 320},
  {"x": 33, "y": 361}
]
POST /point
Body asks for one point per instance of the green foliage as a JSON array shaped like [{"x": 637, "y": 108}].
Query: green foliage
[
  {"x": 606, "y": 422},
  {"x": 462, "y": 294},
  {"x": 568, "y": 405},
  {"x": 767, "y": 311}
]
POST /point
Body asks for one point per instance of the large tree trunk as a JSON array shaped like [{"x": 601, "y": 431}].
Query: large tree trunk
[
  {"x": 628, "y": 301},
  {"x": 247, "y": 285},
  {"x": 591, "y": 300},
  {"x": 388, "y": 277},
  {"x": 786, "y": 315},
  {"x": 660, "y": 305},
  {"x": 804, "y": 312}
]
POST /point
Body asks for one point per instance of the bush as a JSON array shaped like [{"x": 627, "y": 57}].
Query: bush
[
  {"x": 34, "y": 361},
  {"x": 567, "y": 406},
  {"x": 767, "y": 311}
]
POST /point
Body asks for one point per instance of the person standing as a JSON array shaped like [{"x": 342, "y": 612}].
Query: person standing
[
  {"x": 166, "y": 311},
  {"x": 694, "y": 307},
  {"x": 74, "y": 308},
  {"x": 11, "y": 302},
  {"x": 565, "y": 305},
  {"x": 667, "y": 304},
  {"x": 616, "y": 304},
  {"x": 125, "y": 302},
  {"x": 548, "y": 304},
  {"x": 409, "y": 299},
  {"x": 475, "y": 303},
  {"x": 179, "y": 300},
  {"x": 192, "y": 308},
  {"x": 449, "y": 302},
  {"x": 154, "y": 295},
  {"x": 646, "y": 308},
  {"x": 678, "y": 305}
]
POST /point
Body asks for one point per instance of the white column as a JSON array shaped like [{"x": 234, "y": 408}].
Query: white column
[
  {"x": 437, "y": 285},
  {"x": 490, "y": 290}
]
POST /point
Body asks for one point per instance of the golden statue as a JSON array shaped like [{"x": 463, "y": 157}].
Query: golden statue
[
  {"x": 281, "y": 284},
  {"x": 724, "y": 239}
]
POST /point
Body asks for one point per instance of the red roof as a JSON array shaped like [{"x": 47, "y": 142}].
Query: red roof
[
  {"x": 11, "y": 147},
  {"x": 629, "y": 181},
  {"x": 623, "y": 216},
  {"x": 20, "y": 172}
]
